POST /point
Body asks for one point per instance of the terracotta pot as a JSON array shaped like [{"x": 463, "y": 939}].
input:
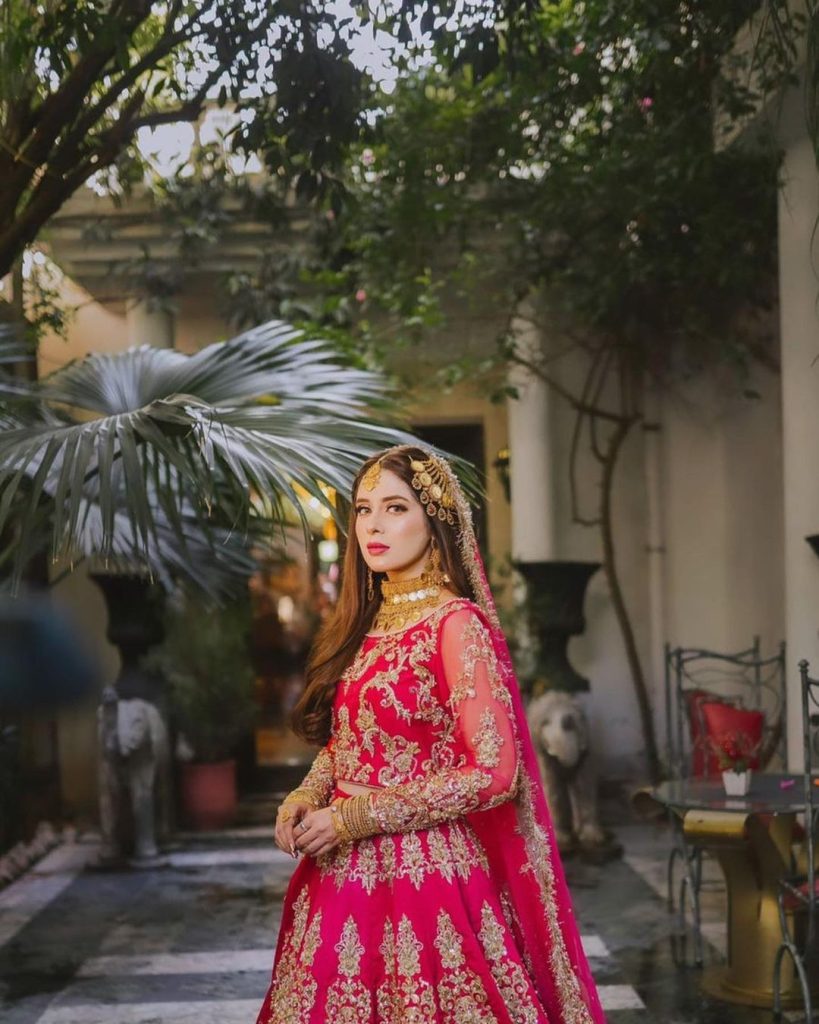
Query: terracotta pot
[{"x": 208, "y": 794}]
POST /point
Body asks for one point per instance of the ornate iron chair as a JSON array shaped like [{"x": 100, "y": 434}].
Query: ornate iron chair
[
  {"x": 696, "y": 681},
  {"x": 798, "y": 895}
]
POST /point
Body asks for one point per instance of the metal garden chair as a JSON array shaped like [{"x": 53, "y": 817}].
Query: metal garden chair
[
  {"x": 798, "y": 896},
  {"x": 742, "y": 680}
]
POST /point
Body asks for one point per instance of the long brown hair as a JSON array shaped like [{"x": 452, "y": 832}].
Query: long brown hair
[{"x": 341, "y": 636}]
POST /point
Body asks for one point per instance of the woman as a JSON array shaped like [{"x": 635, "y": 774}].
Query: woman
[{"x": 429, "y": 889}]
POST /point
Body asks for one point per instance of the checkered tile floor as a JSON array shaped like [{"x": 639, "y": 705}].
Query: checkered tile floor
[{"x": 193, "y": 943}]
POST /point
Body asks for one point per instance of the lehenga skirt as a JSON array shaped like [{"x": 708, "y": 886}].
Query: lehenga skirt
[{"x": 401, "y": 929}]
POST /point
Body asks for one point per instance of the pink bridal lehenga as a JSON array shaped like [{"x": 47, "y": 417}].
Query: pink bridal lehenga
[{"x": 457, "y": 911}]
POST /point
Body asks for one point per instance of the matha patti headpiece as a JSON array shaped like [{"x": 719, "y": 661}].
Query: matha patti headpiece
[
  {"x": 432, "y": 480},
  {"x": 370, "y": 479}
]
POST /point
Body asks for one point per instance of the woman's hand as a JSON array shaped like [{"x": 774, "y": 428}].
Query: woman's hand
[
  {"x": 290, "y": 814},
  {"x": 316, "y": 834}
]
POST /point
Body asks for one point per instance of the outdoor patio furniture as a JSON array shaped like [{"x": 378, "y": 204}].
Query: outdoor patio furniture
[
  {"x": 710, "y": 694},
  {"x": 751, "y": 838},
  {"x": 798, "y": 897}
]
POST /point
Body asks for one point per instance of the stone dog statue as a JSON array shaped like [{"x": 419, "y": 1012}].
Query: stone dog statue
[
  {"x": 561, "y": 737},
  {"x": 133, "y": 772}
]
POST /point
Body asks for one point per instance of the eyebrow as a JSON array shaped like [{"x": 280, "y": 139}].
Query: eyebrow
[{"x": 390, "y": 497}]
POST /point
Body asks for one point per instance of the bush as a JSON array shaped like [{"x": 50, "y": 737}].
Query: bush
[{"x": 206, "y": 661}]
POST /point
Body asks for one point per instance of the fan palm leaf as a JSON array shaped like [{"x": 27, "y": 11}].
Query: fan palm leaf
[{"x": 157, "y": 439}]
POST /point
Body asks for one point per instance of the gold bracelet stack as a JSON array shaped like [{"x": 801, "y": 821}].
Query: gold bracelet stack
[
  {"x": 357, "y": 814},
  {"x": 304, "y": 796}
]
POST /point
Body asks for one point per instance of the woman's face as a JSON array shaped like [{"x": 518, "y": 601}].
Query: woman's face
[{"x": 392, "y": 528}]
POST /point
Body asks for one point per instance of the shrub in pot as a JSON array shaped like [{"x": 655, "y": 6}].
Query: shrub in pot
[{"x": 206, "y": 661}]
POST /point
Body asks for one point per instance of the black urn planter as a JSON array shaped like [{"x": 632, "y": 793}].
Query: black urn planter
[
  {"x": 556, "y": 591},
  {"x": 135, "y": 624}
]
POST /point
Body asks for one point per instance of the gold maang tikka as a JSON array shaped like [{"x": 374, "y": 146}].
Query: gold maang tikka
[{"x": 370, "y": 479}]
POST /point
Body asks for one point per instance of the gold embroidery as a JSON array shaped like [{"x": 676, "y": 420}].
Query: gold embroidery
[
  {"x": 424, "y": 802},
  {"x": 464, "y": 855},
  {"x": 514, "y": 925},
  {"x": 510, "y": 977},
  {"x": 476, "y": 647},
  {"x": 441, "y": 854},
  {"x": 318, "y": 782},
  {"x": 400, "y": 756},
  {"x": 539, "y": 863},
  {"x": 413, "y": 862},
  {"x": 461, "y": 994},
  {"x": 365, "y": 869},
  {"x": 452, "y": 850},
  {"x": 488, "y": 740},
  {"x": 294, "y": 989},
  {"x": 348, "y": 999},
  {"x": 348, "y": 762},
  {"x": 409, "y": 1000}
]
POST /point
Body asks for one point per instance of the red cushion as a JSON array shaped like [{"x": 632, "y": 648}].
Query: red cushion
[
  {"x": 703, "y": 759},
  {"x": 723, "y": 720}
]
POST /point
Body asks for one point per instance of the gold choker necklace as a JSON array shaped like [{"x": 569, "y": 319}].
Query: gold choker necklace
[{"x": 405, "y": 601}]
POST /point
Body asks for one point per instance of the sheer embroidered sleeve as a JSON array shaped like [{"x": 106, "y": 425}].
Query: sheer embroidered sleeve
[
  {"x": 483, "y": 749},
  {"x": 316, "y": 787}
]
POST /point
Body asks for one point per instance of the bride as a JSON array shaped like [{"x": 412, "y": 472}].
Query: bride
[{"x": 429, "y": 888}]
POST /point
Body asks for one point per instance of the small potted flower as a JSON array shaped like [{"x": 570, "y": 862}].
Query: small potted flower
[{"x": 735, "y": 754}]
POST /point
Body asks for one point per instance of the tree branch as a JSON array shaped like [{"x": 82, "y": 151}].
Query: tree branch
[{"x": 62, "y": 107}]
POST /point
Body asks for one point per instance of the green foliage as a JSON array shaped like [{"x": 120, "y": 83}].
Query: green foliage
[
  {"x": 162, "y": 457},
  {"x": 205, "y": 659},
  {"x": 583, "y": 162}
]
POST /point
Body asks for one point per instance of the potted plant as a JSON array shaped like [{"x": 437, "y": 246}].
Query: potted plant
[
  {"x": 206, "y": 662},
  {"x": 735, "y": 753}
]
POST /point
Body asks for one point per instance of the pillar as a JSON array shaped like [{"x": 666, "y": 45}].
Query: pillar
[
  {"x": 530, "y": 457},
  {"x": 799, "y": 324}
]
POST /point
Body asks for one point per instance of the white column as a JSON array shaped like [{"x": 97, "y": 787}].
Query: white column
[
  {"x": 798, "y": 289},
  {"x": 149, "y": 323},
  {"x": 530, "y": 457}
]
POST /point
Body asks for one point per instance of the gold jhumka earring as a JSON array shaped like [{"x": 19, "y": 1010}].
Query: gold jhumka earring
[
  {"x": 433, "y": 572},
  {"x": 370, "y": 586}
]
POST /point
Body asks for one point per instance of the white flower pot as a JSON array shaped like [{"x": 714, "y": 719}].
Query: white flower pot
[{"x": 736, "y": 783}]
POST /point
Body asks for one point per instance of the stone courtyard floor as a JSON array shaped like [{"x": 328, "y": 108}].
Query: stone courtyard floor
[{"x": 192, "y": 943}]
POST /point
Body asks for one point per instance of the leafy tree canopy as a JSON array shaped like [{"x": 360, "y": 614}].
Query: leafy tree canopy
[
  {"x": 78, "y": 78},
  {"x": 582, "y": 157}
]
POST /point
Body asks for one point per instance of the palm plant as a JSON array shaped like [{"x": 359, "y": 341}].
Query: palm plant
[{"x": 174, "y": 462}]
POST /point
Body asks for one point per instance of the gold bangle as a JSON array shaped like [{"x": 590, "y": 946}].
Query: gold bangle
[
  {"x": 339, "y": 824},
  {"x": 304, "y": 796}
]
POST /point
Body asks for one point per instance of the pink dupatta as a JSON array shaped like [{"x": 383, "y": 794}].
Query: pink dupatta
[{"x": 519, "y": 838}]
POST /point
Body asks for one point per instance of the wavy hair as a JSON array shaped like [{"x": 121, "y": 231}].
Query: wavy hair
[{"x": 340, "y": 637}]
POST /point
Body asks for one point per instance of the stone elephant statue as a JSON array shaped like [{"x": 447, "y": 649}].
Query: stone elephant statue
[
  {"x": 560, "y": 733},
  {"x": 134, "y": 785}
]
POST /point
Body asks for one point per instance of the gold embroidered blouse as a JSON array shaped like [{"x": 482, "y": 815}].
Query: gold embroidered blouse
[{"x": 424, "y": 715}]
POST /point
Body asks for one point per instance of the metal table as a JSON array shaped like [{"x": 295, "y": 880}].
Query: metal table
[{"x": 750, "y": 836}]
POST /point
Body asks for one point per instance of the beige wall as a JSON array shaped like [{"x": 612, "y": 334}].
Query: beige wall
[{"x": 723, "y": 509}]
